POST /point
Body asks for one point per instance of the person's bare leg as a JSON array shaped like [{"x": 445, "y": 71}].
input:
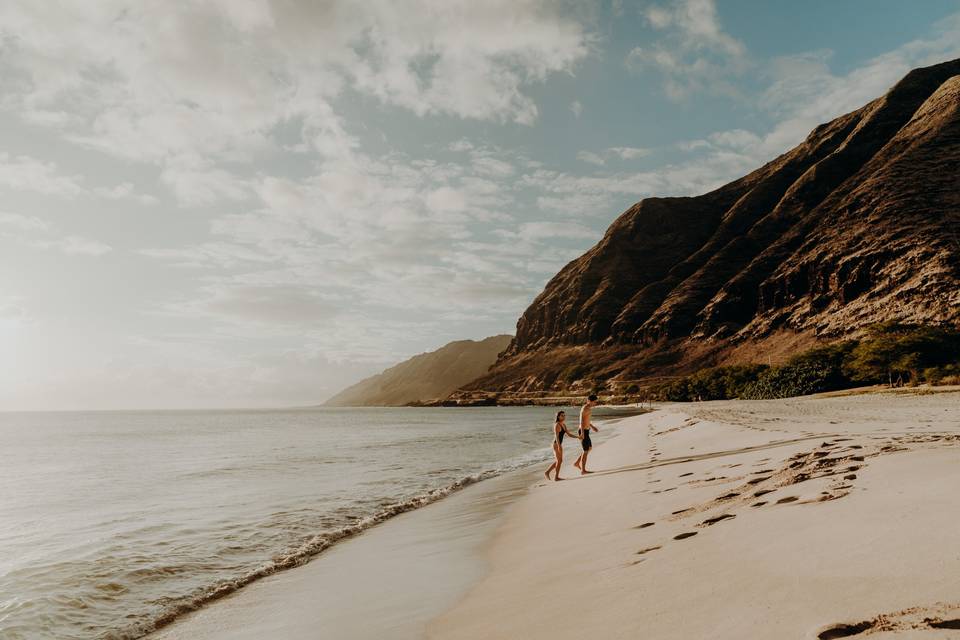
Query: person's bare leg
[
  {"x": 583, "y": 465},
  {"x": 579, "y": 459},
  {"x": 549, "y": 469},
  {"x": 558, "y": 463}
]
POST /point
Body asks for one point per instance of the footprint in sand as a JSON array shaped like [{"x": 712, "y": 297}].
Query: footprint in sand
[
  {"x": 712, "y": 521},
  {"x": 757, "y": 480},
  {"x": 645, "y": 525},
  {"x": 676, "y": 513},
  {"x": 788, "y": 499},
  {"x": 684, "y": 536},
  {"x": 759, "y": 504},
  {"x": 944, "y": 624},
  {"x": 845, "y": 630},
  {"x": 727, "y": 496},
  {"x": 647, "y": 550},
  {"x": 684, "y": 475},
  {"x": 763, "y": 492},
  {"x": 909, "y": 619}
]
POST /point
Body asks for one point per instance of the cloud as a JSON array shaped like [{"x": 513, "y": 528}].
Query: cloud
[
  {"x": 623, "y": 153},
  {"x": 196, "y": 183},
  {"x": 693, "y": 53},
  {"x": 74, "y": 245},
  {"x": 26, "y": 173},
  {"x": 33, "y": 232},
  {"x": 577, "y": 108},
  {"x": 210, "y": 82},
  {"x": 22, "y": 223},
  {"x": 268, "y": 305},
  {"x": 591, "y": 157}
]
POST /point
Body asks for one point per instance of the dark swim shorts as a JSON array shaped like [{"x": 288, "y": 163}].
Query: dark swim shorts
[{"x": 587, "y": 445}]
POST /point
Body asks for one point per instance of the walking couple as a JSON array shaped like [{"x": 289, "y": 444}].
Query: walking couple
[{"x": 583, "y": 434}]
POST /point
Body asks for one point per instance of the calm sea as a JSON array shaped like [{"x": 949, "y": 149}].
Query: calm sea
[{"x": 114, "y": 523}]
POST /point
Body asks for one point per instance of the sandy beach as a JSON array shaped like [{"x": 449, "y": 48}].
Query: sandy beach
[{"x": 820, "y": 517}]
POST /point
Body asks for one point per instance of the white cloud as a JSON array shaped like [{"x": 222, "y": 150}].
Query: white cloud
[
  {"x": 22, "y": 223},
  {"x": 623, "y": 153},
  {"x": 591, "y": 157},
  {"x": 196, "y": 182},
  {"x": 74, "y": 245},
  {"x": 159, "y": 83},
  {"x": 694, "y": 53},
  {"x": 40, "y": 234},
  {"x": 577, "y": 108},
  {"x": 629, "y": 153},
  {"x": 26, "y": 173}
]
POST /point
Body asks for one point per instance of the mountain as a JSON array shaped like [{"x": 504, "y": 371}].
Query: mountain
[
  {"x": 858, "y": 224},
  {"x": 426, "y": 377}
]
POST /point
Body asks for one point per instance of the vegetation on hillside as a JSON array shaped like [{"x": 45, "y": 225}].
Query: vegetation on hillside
[{"x": 891, "y": 353}]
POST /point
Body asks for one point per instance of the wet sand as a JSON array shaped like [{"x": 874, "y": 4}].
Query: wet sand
[
  {"x": 827, "y": 517},
  {"x": 386, "y": 583}
]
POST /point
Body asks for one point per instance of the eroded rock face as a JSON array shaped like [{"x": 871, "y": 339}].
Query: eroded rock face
[{"x": 858, "y": 224}]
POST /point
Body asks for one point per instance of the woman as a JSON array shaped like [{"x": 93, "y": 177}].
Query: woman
[{"x": 559, "y": 429}]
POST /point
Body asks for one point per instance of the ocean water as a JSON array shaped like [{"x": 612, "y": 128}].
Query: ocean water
[{"x": 112, "y": 524}]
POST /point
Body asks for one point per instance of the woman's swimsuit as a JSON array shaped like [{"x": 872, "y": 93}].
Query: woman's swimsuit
[{"x": 559, "y": 436}]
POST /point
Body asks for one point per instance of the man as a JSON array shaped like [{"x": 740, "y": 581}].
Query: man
[{"x": 584, "y": 433}]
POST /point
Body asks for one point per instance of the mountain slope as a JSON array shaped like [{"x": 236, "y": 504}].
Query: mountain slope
[
  {"x": 428, "y": 376},
  {"x": 860, "y": 223}
]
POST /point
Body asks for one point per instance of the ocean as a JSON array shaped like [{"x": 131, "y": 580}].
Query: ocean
[{"x": 113, "y": 524}]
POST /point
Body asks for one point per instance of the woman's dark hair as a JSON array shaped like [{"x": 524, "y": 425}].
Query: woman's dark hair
[{"x": 559, "y": 413}]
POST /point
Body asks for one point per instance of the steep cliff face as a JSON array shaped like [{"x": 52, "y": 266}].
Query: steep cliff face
[
  {"x": 425, "y": 377},
  {"x": 858, "y": 224}
]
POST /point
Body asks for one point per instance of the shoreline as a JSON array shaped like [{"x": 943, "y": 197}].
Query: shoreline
[
  {"x": 467, "y": 512},
  {"x": 818, "y": 517},
  {"x": 388, "y": 581}
]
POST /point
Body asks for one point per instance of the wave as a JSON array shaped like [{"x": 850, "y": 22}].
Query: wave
[{"x": 316, "y": 545}]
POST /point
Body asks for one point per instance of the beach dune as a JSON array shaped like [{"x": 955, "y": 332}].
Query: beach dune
[{"x": 805, "y": 518}]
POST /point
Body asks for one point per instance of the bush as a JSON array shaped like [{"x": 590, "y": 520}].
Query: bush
[
  {"x": 793, "y": 379},
  {"x": 717, "y": 383},
  {"x": 894, "y": 352},
  {"x": 947, "y": 374},
  {"x": 891, "y": 352}
]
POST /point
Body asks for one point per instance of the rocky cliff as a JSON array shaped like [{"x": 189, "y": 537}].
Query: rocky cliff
[
  {"x": 424, "y": 378},
  {"x": 858, "y": 224}
]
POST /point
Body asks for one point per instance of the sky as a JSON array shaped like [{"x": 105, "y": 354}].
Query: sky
[{"x": 254, "y": 203}]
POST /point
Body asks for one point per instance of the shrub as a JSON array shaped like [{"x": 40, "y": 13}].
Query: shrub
[
  {"x": 894, "y": 352},
  {"x": 716, "y": 383},
  {"x": 890, "y": 352},
  {"x": 793, "y": 379}
]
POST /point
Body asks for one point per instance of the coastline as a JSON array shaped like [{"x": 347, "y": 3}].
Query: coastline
[
  {"x": 387, "y": 582},
  {"x": 820, "y": 517}
]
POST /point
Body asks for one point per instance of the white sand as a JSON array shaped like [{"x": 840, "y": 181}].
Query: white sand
[{"x": 868, "y": 532}]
